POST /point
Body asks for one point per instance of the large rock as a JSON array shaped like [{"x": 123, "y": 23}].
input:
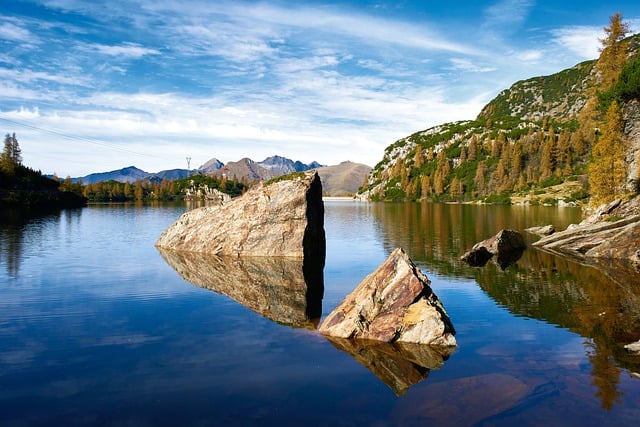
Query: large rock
[
  {"x": 285, "y": 218},
  {"x": 279, "y": 288},
  {"x": 394, "y": 303},
  {"x": 507, "y": 247}
]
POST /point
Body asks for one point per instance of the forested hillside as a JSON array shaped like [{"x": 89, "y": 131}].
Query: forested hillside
[
  {"x": 23, "y": 187},
  {"x": 571, "y": 130}
]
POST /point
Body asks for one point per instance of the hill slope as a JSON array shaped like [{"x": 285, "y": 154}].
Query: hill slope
[
  {"x": 344, "y": 179},
  {"x": 527, "y": 139}
]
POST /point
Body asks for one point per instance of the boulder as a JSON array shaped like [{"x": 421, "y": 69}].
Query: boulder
[
  {"x": 395, "y": 303},
  {"x": 284, "y": 218},
  {"x": 507, "y": 247}
]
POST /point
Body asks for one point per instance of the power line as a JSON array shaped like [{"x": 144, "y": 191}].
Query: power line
[{"x": 98, "y": 142}]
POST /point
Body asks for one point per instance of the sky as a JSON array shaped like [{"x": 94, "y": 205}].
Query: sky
[{"x": 94, "y": 86}]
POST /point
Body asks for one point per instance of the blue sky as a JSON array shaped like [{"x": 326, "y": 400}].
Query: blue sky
[{"x": 91, "y": 86}]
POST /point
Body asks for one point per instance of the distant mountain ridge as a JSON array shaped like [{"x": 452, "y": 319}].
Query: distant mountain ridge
[
  {"x": 339, "y": 180},
  {"x": 242, "y": 169}
]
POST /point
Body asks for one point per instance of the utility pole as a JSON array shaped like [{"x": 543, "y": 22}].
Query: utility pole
[{"x": 188, "y": 163}]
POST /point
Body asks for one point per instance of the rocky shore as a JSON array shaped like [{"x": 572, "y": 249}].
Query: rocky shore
[{"x": 609, "y": 239}]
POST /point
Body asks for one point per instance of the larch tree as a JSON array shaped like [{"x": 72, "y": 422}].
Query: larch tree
[
  {"x": 613, "y": 51},
  {"x": 607, "y": 169}
]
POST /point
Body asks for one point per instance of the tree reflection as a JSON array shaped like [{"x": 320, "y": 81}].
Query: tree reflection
[
  {"x": 19, "y": 227},
  {"x": 601, "y": 304}
]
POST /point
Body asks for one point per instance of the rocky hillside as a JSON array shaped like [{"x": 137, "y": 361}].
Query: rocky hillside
[{"x": 528, "y": 139}]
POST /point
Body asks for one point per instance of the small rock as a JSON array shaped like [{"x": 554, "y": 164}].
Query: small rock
[
  {"x": 544, "y": 230},
  {"x": 395, "y": 303},
  {"x": 507, "y": 246}
]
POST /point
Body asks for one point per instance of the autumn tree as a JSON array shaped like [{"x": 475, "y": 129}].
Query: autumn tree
[
  {"x": 443, "y": 169},
  {"x": 548, "y": 155},
  {"x": 614, "y": 51},
  {"x": 607, "y": 169},
  {"x": 425, "y": 186}
]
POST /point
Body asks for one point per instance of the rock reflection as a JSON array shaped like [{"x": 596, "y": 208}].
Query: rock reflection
[
  {"x": 399, "y": 365},
  {"x": 278, "y": 288}
]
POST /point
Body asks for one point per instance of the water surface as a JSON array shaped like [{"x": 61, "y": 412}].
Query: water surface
[{"x": 96, "y": 328}]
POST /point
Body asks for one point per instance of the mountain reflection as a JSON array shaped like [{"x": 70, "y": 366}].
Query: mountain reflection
[
  {"x": 278, "y": 288},
  {"x": 398, "y": 365}
]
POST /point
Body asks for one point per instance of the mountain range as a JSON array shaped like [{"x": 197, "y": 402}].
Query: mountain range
[{"x": 338, "y": 180}]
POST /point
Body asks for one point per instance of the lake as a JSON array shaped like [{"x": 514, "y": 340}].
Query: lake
[{"x": 97, "y": 327}]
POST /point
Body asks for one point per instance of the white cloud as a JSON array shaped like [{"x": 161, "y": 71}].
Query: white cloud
[
  {"x": 581, "y": 40},
  {"x": 462, "y": 64},
  {"x": 507, "y": 14},
  {"x": 9, "y": 31},
  {"x": 25, "y": 76},
  {"x": 128, "y": 50},
  {"x": 531, "y": 55}
]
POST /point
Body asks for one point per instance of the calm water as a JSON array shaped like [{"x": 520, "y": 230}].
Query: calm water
[{"x": 97, "y": 328}]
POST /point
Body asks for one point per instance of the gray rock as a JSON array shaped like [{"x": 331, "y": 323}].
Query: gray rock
[
  {"x": 284, "y": 218},
  {"x": 395, "y": 303},
  {"x": 544, "y": 230}
]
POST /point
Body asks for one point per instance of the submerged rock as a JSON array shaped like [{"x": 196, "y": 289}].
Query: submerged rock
[
  {"x": 507, "y": 246},
  {"x": 395, "y": 303},
  {"x": 285, "y": 218}
]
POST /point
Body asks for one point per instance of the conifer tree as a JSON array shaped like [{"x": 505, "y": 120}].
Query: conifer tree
[
  {"x": 425, "y": 186},
  {"x": 456, "y": 189},
  {"x": 480, "y": 179},
  {"x": 418, "y": 158},
  {"x": 11, "y": 156},
  {"x": 472, "y": 155},
  {"x": 613, "y": 52},
  {"x": 607, "y": 169}
]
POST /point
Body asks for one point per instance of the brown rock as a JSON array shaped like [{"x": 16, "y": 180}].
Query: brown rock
[
  {"x": 394, "y": 303},
  {"x": 285, "y": 218}
]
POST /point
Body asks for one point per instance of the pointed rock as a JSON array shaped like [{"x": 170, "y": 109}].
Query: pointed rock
[
  {"x": 284, "y": 218},
  {"x": 394, "y": 303}
]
